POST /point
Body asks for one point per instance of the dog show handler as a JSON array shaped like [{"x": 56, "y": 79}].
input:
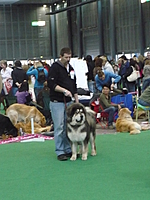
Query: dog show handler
[{"x": 62, "y": 84}]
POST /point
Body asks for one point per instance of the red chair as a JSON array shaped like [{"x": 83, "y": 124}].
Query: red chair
[{"x": 101, "y": 116}]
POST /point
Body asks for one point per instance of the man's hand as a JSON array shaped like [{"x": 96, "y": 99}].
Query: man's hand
[
  {"x": 67, "y": 93},
  {"x": 119, "y": 107},
  {"x": 112, "y": 86}
]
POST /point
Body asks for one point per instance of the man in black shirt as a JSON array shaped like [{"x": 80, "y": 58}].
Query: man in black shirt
[{"x": 62, "y": 84}]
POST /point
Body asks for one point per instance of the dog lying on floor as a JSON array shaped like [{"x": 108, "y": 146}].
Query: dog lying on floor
[
  {"x": 7, "y": 128},
  {"x": 81, "y": 126},
  {"x": 23, "y": 113},
  {"x": 125, "y": 123},
  {"x": 26, "y": 128}
]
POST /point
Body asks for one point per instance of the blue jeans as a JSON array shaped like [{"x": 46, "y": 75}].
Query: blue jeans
[
  {"x": 58, "y": 112},
  {"x": 146, "y": 83},
  {"x": 130, "y": 86},
  {"x": 37, "y": 91},
  {"x": 111, "y": 111},
  {"x": 143, "y": 103},
  {"x": 14, "y": 90},
  {"x": 91, "y": 86}
]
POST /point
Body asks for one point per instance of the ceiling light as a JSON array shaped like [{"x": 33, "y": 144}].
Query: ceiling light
[
  {"x": 58, "y": 6},
  {"x": 143, "y": 1},
  {"x": 38, "y": 23}
]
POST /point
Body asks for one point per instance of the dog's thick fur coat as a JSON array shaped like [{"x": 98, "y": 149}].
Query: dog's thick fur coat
[
  {"x": 81, "y": 126},
  {"x": 125, "y": 122},
  {"x": 23, "y": 113},
  {"x": 6, "y": 127}
]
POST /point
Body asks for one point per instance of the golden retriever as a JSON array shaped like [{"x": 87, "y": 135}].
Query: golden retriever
[
  {"x": 23, "y": 113},
  {"x": 125, "y": 122},
  {"x": 26, "y": 127}
]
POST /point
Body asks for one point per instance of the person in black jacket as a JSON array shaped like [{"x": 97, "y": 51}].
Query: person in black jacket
[
  {"x": 130, "y": 85},
  {"x": 62, "y": 84},
  {"x": 18, "y": 76},
  {"x": 90, "y": 76}
]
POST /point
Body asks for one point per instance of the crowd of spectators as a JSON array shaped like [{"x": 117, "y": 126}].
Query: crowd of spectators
[
  {"x": 21, "y": 81},
  {"x": 131, "y": 73}
]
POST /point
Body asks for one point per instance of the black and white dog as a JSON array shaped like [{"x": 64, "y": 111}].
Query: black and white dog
[
  {"x": 6, "y": 127},
  {"x": 81, "y": 126}
]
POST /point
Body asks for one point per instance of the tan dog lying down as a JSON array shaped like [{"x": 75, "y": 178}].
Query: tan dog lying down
[
  {"x": 26, "y": 127},
  {"x": 125, "y": 122},
  {"x": 23, "y": 113}
]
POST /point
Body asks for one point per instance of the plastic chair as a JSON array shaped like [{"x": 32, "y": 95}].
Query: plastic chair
[
  {"x": 10, "y": 100},
  {"x": 3, "y": 106},
  {"x": 140, "y": 107}
]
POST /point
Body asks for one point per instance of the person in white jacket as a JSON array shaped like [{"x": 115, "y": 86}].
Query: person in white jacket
[
  {"x": 6, "y": 75},
  {"x": 0, "y": 83},
  {"x": 106, "y": 65}
]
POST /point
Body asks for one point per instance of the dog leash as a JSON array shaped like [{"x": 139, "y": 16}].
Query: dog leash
[{"x": 65, "y": 102}]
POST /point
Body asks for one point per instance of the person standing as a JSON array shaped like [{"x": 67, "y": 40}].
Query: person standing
[
  {"x": 106, "y": 65},
  {"x": 1, "y": 86},
  {"x": 62, "y": 84},
  {"x": 6, "y": 76},
  {"x": 90, "y": 76},
  {"x": 18, "y": 76},
  {"x": 33, "y": 70},
  {"x": 124, "y": 66}
]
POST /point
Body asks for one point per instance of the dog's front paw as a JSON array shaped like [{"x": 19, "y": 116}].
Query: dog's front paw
[
  {"x": 93, "y": 153},
  {"x": 134, "y": 132},
  {"x": 84, "y": 157},
  {"x": 73, "y": 157}
]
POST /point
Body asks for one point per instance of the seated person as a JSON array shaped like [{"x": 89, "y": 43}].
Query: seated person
[
  {"x": 146, "y": 74},
  {"x": 146, "y": 83},
  {"x": 105, "y": 102},
  {"x": 144, "y": 99},
  {"x": 105, "y": 77},
  {"x": 22, "y": 93}
]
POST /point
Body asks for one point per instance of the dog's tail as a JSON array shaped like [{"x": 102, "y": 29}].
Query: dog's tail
[
  {"x": 135, "y": 129},
  {"x": 89, "y": 110}
]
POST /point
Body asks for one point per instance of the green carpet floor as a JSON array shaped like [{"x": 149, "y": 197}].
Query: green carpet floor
[{"x": 120, "y": 171}]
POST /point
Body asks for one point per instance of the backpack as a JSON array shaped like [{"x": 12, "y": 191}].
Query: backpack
[{"x": 41, "y": 75}]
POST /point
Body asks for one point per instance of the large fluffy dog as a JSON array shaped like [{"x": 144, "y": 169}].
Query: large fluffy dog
[
  {"x": 125, "y": 122},
  {"x": 26, "y": 127},
  {"x": 23, "y": 113},
  {"x": 6, "y": 127},
  {"x": 81, "y": 126}
]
